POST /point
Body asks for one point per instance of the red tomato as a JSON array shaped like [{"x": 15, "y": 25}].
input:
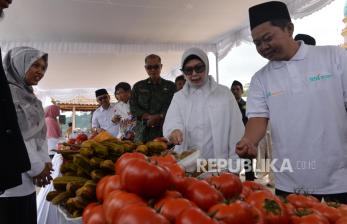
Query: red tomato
[
  {"x": 254, "y": 186},
  {"x": 119, "y": 199},
  {"x": 172, "y": 207},
  {"x": 100, "y": 188},
  {"x": 290, "y": 209},
  {"x": 123, "y": 160},
  {"x": 175, "y": 169},
  {"x": 271, "y": 206},
  {"x": 165, "y": 196},
  {"x": 342, "y": 220},
  {"x": 167, "y": 159},
  {"x": 203, "y": 194},
  {"x": 245, "y": 192},
  {"x": 236, "y": 213},
  {"x": 97, "y": 216},
  {"x": 342, "y": 208},
  {"x": 181, "y": 183},
  {"x": 312, "y": 218},
  {"x": 81, "y": 138},
  {"x": 302, "y": 201},
  {"x": 229, "y": 184},
  {"x": 172, "y": 194},
  {"x": 135, "y": 214},
  {"x": 194, "y": 215},
  {"x": 145, "y": 178},
  {"x": 87, "y": 211},
  {"x": 71, "y": 141},
  {"x": 112, "y": 183},
  {"x": 331, "y": 213}
]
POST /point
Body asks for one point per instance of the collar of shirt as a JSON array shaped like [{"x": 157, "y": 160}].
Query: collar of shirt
[
  {"x": 110, "y": 106},
  {"x": 299, "y": 55},
  {"x": 241, "y": 101},
  {"x": 204, "y": 90},
  {"x": 208, "y": 87},
  {"x": 150, "y": 81}
]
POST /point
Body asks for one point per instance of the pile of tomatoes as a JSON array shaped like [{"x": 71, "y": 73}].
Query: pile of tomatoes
[{"x": 155, "y": 190}]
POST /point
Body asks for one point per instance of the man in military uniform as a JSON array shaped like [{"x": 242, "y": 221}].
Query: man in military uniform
[{"x": 150, "y": 99}]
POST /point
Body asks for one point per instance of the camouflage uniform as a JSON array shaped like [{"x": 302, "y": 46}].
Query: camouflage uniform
[{"x": 147, "y": 97}]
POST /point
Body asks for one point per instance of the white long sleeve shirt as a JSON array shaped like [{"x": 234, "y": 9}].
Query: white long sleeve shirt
[{"x": 102, "y": 118}]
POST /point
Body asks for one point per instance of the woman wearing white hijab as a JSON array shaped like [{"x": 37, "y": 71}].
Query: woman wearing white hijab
[
  {"x": 203, "y": 114},
  {"x": 25, "y": 67}
]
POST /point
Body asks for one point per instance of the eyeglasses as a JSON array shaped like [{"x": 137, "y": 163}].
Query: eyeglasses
[
  {"x": 150, "y": 67},
  {"x": 199, "y": 68},
  {"x": 102, "y": 98}
]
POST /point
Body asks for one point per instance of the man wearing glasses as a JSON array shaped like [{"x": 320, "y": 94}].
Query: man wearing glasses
[
  {"x": 150, "y": 100},
  {"x": 102, "y": 117}
]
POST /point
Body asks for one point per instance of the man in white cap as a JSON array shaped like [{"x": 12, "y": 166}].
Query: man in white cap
[{"x": 303, "y": 91}]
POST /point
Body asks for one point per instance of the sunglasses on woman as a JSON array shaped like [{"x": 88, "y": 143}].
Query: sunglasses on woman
[{"x": 199, "y": 68}]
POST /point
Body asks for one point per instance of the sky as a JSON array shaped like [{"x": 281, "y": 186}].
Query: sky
[{"x": 324, "y": 25}]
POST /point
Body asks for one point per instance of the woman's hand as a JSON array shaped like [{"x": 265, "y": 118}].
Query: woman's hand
[
  {"x": 44, "y": 178},
  {"x": 176, "y": 137}
]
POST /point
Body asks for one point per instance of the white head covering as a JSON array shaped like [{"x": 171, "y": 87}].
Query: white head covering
[
  {"x": 197, "y": 52},
  {"x": 29, "y": 109},
  {"x": 189, "y": 54}
]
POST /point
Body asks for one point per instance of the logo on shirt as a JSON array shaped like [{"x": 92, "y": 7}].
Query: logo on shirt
[
  {"x": 276, "y": 93},
  {"x": 319, "y": 77}
]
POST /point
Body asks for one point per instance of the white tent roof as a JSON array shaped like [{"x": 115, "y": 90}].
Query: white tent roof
[{"x": 97, "y": 43}]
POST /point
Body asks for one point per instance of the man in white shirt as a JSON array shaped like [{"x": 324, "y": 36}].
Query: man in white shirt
[
  {"x": 102, "y": 117},
  {"x": 303, "y": 91}
]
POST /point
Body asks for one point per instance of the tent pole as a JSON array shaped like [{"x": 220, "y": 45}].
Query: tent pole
[
  {"x": 217, "y": 68},
  {"x": 73, "y": 117}
]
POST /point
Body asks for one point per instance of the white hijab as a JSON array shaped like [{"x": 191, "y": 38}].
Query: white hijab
[{"x": 204, "y": 58}]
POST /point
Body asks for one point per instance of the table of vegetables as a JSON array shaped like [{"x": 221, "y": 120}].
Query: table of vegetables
[{"x": 106, "y": 180}]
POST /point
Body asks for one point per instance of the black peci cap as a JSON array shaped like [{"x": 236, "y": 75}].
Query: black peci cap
[{"x": 267, "y": 11}]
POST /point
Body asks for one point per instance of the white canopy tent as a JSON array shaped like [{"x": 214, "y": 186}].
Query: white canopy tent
[{"x": 97, "y": 43}]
